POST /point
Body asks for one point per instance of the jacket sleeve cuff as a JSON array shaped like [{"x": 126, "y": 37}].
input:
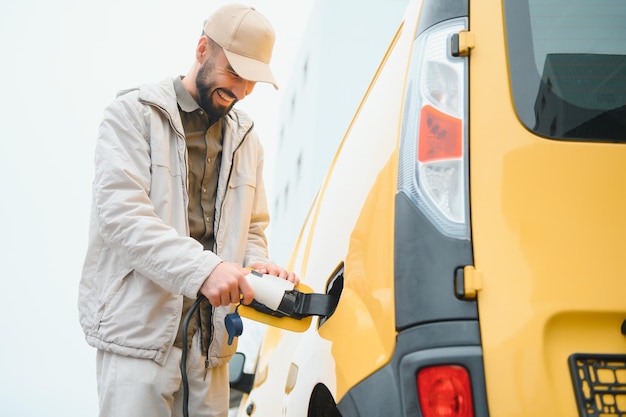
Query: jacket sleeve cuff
[{"x": 192, "y": 288}]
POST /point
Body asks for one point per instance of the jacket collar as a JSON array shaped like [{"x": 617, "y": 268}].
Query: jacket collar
[{"x": 163, "y": 96}]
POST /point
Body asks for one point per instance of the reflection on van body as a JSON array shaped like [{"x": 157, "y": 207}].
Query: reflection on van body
[
  {"x": 573, "y": 52},
  {"x": 582, "y": 96}
]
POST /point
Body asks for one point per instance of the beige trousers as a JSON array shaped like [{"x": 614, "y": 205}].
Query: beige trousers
[{"x": 131, "y": 387}]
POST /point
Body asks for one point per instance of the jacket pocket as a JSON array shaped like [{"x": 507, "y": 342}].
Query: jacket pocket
[
  {"x": 239, "y": 200},
  {"x": 140, "y": 315},
  {"x": 243, "y": 180}
]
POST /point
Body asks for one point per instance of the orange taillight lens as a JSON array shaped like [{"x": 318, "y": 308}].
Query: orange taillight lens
[
  {"x": 445, "y": 391},
  {"x": 440, "y": 136}
]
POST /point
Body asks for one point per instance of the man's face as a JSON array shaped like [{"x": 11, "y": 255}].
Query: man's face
[{"x": 219, "y": 86}]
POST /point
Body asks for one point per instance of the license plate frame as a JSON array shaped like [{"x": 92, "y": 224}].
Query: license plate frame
[{"x": 599, "y": 382}]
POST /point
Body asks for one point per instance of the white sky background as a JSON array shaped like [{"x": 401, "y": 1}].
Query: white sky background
[{"x": 62, "y": 63}]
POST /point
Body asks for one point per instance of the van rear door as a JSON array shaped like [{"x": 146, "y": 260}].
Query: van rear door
[{"x": 548, "y": 203}]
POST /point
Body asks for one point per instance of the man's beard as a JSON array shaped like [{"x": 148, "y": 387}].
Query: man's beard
[{"x": 206, "y": 89}]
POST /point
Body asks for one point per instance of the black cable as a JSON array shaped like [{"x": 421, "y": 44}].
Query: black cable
[{"x": 183, "y": 359}]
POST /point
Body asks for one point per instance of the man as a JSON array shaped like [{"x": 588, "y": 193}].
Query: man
[{"x": 178, "y": 211}]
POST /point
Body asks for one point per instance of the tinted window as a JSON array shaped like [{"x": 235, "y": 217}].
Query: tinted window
[{"x": 567, "y": 63}]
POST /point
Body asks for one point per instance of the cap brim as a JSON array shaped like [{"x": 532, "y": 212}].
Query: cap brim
[{"x": 251, "y": 69}]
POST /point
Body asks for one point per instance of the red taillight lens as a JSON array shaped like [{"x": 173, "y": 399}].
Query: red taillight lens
[
  {"x": 445, "y": 391},
  {"x": 441, "y": 136}
]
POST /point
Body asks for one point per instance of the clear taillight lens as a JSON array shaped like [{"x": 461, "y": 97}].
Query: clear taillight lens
[
  {"x": 433, "y": 170},
  {"x": 445, "y": 391}
]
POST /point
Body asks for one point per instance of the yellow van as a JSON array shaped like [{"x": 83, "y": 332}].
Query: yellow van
[{"x": 472, "y": 226}]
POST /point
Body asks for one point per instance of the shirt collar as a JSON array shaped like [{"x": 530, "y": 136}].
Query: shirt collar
[{"x": 185, "y": 101}]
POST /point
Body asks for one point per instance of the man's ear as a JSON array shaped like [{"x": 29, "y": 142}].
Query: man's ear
[{"x": 202, "y": 49}]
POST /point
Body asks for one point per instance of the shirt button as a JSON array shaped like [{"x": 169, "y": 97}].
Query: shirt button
[
  {"x": 208, "y": 160},
  {"x": 204, "y": 190},
  {"x": 208, "y": 219}
]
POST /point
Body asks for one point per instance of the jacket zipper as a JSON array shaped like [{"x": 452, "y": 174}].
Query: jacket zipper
[
  {"x": 230, "y": 172},
  {"x": 181, "y": 136}
]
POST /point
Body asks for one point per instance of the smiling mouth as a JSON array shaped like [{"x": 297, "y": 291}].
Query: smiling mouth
[{"x": 225, "y": 96}]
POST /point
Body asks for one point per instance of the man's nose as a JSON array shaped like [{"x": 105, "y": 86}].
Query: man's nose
[{"x": 243, "y": 88}]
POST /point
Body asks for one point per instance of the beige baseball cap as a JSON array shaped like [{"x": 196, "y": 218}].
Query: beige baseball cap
[{"x": 247, "y": 38}]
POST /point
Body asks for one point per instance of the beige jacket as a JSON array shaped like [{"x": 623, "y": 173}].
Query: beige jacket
[{"x": 140, "y": 260}]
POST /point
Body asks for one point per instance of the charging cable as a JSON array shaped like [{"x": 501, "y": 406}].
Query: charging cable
[{"x": 183, "y": 359}]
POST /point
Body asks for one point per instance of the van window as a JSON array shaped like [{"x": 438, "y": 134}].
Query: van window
[{"x": 567, "y": 65}]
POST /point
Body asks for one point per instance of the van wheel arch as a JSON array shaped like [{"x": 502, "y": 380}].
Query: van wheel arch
[{"x": 322, "y": 403}]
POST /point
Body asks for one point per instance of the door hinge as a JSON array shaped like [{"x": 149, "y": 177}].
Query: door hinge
[
  {"x": 468, "y": 282},
  {"x": 461, "y": 43}
]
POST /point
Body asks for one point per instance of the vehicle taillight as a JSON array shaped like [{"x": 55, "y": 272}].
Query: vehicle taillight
[
  {"x": 434, "y": 156},
  {"x": 445, "y": 391},
  {"x": 441, "y": 136}
]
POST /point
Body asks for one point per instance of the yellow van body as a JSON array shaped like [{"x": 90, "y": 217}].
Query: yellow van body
[{"x": 514, "y": 287}]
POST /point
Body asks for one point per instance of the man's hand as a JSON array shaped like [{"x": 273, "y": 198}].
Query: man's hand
[
  {"x": 271, "y": 268},
  {"x": 226, "y": 285}
]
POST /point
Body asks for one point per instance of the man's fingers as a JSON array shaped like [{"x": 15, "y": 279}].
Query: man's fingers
[
  {"x": 225, "y": 284},
  {"x": 247, "y": 293},
  {"x": 292, "y": 277}
]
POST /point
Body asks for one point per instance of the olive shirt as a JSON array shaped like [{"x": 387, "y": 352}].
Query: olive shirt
[{"x": 204, "y": 150}]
